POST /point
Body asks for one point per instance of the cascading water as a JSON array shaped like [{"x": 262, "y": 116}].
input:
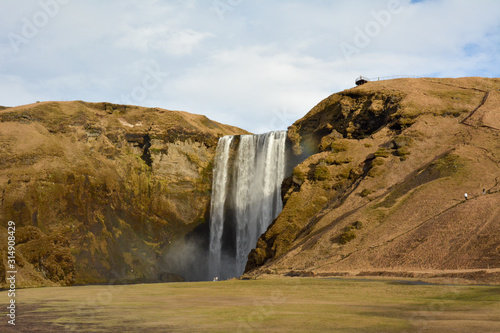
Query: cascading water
[
  {"x": 246, "y": 197},
  {"x": 219, "y": 192}
]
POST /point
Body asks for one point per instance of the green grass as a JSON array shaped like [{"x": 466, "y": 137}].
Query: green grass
[
  {"x": 321, "y": 172},
  {"x": 382, "y": 152},
  {"x": 274, "y": 305}
]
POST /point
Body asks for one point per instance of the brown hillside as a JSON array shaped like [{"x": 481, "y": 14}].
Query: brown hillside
[
  {"x": 382, "y": 191},
  {"x": 98, "y": 191}
]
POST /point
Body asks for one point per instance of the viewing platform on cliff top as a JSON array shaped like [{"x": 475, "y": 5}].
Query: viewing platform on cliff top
[{"x": 363, "y": 79}]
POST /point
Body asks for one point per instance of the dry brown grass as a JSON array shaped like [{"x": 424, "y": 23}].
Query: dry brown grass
[
  {"x": 269, "y": 305},
  {"x": 411, "y": 202},
  {"x": 76, "y": 171}
]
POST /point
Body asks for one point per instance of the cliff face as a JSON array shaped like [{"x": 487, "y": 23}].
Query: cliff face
[
  {"x": 383, "y": 186},
  {"x": 100, "y": 191}
]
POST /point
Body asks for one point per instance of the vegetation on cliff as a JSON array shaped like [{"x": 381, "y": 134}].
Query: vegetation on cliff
[
  {"x": 99, "y": 191},
  {"x": 397, "y": 157},
  {"x": 114, "y": 193}
]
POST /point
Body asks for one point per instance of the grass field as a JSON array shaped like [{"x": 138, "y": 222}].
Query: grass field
[{"x": 268, "y": 305}]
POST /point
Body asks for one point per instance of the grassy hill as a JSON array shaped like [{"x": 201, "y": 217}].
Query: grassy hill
[
  {"x": 98, "y": 191},
  {"x": 381, "y": 191}
]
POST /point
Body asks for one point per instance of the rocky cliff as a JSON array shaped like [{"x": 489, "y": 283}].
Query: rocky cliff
[
  {"x": 382, "y": 187},
  {"x": 99, "y": 191},
  {"x": 112, "y": 193}
]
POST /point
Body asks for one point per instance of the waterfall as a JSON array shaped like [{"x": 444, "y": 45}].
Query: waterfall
[
  {"x": 246, "y": 197},
  {"x": 220, "y": 179}
]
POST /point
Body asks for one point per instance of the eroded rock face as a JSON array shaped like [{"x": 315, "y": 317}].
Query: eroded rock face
[
  {"x": 100, "y": 191},
  {"x": 382, "y": 180}
]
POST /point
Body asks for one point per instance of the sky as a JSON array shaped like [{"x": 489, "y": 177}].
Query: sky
[{"x": 259, "y": 65}]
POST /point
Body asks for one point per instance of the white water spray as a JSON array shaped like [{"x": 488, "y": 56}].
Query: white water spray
[
  {"x": 246, "y": 198},
  {"x": 220, "y": 180}
]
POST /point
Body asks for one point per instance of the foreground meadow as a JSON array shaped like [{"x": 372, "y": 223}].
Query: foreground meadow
[{"x": 269, "y": 305}]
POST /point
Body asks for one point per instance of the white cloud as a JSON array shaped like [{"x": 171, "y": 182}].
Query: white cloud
[
  {"x": 263, "y": 66},
  {"x": 162, "y": 39},
  {"x": 239, "y": 79}
]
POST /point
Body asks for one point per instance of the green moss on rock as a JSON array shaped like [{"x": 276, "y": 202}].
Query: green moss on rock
[{"x": 321, "y": 172}]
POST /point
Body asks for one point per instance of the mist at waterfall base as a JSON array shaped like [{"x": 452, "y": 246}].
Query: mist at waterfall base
[{"x": 246, "y": 197}]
